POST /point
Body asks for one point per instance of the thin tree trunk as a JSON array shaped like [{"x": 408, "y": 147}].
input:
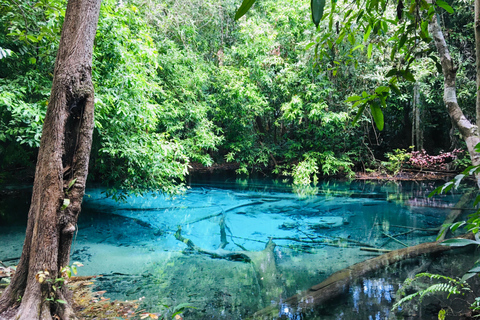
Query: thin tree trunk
[
  {"x": 477, "y": 54},
  {"x": 466, "y": 128},
  {"x": 418, "y": 128},
  {"x": 414, "y": 118},
  {"x": 60, "y": 174}
]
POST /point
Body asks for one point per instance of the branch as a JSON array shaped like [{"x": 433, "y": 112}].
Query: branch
[{"x": 217, "y": 254}]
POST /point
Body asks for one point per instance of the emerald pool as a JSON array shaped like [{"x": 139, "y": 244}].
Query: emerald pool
[{"x": 316, "y": 232}]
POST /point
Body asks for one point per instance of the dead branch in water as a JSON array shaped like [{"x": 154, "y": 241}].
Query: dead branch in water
[{"x": 216, "y": 254}]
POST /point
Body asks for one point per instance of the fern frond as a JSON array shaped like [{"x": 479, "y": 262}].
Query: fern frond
[
  {"x": 440, "y": 287},
  {"x": 405, "y": 299}
]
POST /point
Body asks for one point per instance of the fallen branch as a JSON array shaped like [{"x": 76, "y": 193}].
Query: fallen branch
[
  {"x": 340, "y": 281},
  {"x": 402, "y": 233},
  {"x": 355, "y": 241},
  {"x": 374, "y": 249},
  {"x": 224, "y": 211},
  {"x": 223, "y": 233},
  {"x": 413, "y": 228},
  {"x": 217, "y": 254},
  {"x": 82, "y": 278},
  {"x": 395, "y": 239}
]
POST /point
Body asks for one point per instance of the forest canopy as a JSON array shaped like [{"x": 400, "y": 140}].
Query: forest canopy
[{"x": 180, "y": 83}]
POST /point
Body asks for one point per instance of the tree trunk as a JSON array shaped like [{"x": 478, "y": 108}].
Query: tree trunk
[
  {"x": 60, "y": 175},
  {"x": 418, "y": 143},
  {"x": 467, "y": 129},
  {"x": 477, "y": 54}
]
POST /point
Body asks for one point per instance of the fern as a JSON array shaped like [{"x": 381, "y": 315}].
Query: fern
[{"x": 449, "y": 285}]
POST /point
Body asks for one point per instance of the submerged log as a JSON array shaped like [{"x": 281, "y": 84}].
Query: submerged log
[
  {"x": 264, "y": 264},
  {"x": 268, "y": 277},
  {"x": 452, "y": 217},
  {"x": 340, "y": 281}
]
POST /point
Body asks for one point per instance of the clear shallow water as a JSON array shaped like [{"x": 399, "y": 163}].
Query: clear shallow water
[{"x": 133, "y": 244}]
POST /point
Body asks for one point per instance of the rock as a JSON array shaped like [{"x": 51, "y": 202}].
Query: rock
[
  {"x": 289, "y": 225},
  {"x": 327, "y": 223}
]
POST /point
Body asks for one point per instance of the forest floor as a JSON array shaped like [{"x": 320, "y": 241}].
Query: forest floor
[
  {"x": 410, "y": 175},
  {"x": 404, "y": 174},
  {"x": 89, "y": 304}
]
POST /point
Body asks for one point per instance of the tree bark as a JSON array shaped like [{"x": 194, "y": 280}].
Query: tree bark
[
  {"x": 467, "y": 129},
  {"x": 60, "y": 174}
]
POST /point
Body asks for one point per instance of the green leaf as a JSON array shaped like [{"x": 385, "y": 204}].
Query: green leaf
[
  {"x": 367, "y": 34},
  {"x": 317, "y": 7},
  {"x": 377, "y": 115},
  {"x": 369, "y": 50},
  {"x": 70, "y": 185},
  {"x": 353, "y": 98},
  {"x": 309, "y": 45},
  {"x": 459, "y": 242},
  {"x": 458, "y": 179},
  {"x": 444, "y": 5},
  {"x": 359, "y": 114},
  {"x": 32, "y": 38},
  {"x": 446, "y": 187},
  {"x": 407, "y": 75},
  {"x": 382, "y": 89},
  {"x": 246, "y": 4},
  {"x": 468, "y": 275},
  {"x": 477, "y": 200},
  {"x": 66, "y": 202},
  {"x": 360, "y": 46},
  {"x": 394, "y": 88},
  {"x": 475, "y": 269},
  {"x": 392, "y": 72},
  {"x": 456, "y": 225},
  {"x": 403, "y": 39},
  {"x": 443, "y": 229},
  {"x": 61, "y": 301}
]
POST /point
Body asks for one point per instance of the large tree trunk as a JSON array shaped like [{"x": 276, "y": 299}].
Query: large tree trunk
[
  {"x": 60, "y": 174},
  {"x": 467, "y": 129}
]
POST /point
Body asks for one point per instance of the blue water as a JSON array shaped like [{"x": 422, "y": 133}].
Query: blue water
[{"x": 316, "y": 231}]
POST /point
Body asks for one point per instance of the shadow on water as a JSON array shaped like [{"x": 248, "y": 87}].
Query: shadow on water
[{"x": 133, "y": 244}]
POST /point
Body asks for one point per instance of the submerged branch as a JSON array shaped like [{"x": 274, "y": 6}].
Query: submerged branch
[
  {"x": 217, "y": 254},
  {"x": 224, "y": 211}
]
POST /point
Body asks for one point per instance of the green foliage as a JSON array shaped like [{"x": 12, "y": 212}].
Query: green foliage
[
  {"x": 149, "y": 122},
  {"x": 181, "y": 82},
  {"x": 29, "y": 35},
  {"x": 303, "y": 172},
  {"x": 447, "y": 285},
  {"x": 396, "y": 160}
]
